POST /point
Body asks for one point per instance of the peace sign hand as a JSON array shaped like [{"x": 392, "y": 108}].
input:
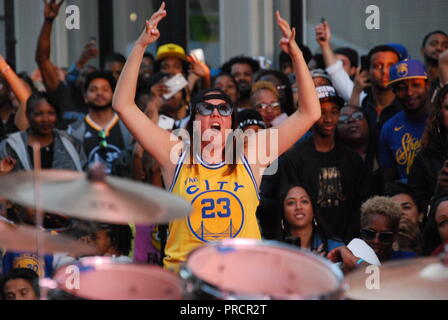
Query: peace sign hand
[
  {"x": 288, "y": 43},
  {"x": 51, "y": 9},
  {"x": 151, "y": 33}
]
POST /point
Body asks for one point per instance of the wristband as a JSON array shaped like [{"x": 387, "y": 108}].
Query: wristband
[{"x": 360, "y": 261}]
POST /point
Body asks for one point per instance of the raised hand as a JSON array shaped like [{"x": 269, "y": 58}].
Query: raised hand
[
  {"x": 197, "y": 67},
  {"x": 361, "y": 79},
  {"x": 51, "y": 9},
  {"x": 90, "y": 51},
  {"x": 159, "y": 89},
  {"x": 151, "y": 33},
  {"x": 288, "y": 42},
  {"x": 323, "y": 33}
]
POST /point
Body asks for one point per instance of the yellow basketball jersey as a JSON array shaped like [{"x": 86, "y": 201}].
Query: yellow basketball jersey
[{"x": 224, "y": 207}]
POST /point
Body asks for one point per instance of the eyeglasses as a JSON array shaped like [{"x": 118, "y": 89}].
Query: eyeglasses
[
  {"x": 103, "y": 142},
  {"x": 206, "y": 109},
  {"x": 385, "y": 236},
  {"x": 263, "y": 106},
  {"x": 355, "y": 116}
]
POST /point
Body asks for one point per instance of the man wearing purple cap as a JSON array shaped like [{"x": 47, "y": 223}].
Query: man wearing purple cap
[{"x": 401, "y": 135}]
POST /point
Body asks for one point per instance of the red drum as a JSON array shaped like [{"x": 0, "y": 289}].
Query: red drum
[
  {"x": 99, "y": 278},
  {"x": 254, "y": 270}
]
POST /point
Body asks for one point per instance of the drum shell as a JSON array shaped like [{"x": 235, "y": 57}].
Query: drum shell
[
  {"x": 202, "y": 284},
  {"x": 103, "y": 279}
]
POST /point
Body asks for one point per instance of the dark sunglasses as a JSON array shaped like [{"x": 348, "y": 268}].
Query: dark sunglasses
[
  {"x": 384, "y": 237},
  {"x": 103, "y": 142},
  {"x": 206, "y": 109},
  {"x": 355, "y": 116}
]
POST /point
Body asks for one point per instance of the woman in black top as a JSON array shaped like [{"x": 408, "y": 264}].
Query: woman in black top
[{"x": 429, "y": 161}]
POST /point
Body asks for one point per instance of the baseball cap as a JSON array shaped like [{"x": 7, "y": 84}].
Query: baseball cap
[
  {"x": 407, "y": 69},
  {"x": 401, "y": 49},
  {"x": 328, "y": 93},
  {"x": 320, "y": 73},
  {"x": 249, "y": 117},
  {"x": 170, "y": 50}
]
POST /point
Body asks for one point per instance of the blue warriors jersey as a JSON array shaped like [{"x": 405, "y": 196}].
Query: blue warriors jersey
[
  {"x": 400, "y": 141},
  {"x": 223, "y": 205}
]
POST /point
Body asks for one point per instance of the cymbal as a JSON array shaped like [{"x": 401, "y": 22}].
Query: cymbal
[
  {"x": 410, "y": 279},
  {"x": 106, "y": 199},
  {"x": 24, "y": 238}
]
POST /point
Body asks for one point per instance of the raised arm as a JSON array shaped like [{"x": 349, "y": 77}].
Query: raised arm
[
  {"x": 293, "y": 128},
  {"x": 21, "y": 91},
  {"x": 323, "y": 38},
  {"x": 153, "y": 139},
  {"x": 50, "y": 76}
]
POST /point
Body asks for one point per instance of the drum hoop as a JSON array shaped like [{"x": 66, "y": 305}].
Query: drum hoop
[{"x": 188, "y": 275}]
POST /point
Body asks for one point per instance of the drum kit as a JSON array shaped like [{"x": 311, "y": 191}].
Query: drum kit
[{"x": 230, "y": 269}]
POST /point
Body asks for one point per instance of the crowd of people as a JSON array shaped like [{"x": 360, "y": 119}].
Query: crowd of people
[{"x": 361, "y": 147}]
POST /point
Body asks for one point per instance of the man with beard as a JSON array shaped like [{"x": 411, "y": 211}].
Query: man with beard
[
  {"x": 242, "y": 69},
  {"x": 401, "y": 136},
  {"x": 101, "y": 132},
  {"x": 433, "y": 45}
]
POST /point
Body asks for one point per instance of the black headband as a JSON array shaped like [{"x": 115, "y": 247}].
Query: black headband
[
  {"x": 204, "y": 96},
  {"x": 251, "y": 122}
]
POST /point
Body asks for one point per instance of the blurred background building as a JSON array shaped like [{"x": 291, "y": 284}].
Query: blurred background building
[{"x": 223, "y": 28}]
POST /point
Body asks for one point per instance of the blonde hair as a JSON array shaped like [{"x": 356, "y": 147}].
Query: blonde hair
[
  {"x": 263, "y": 85},
  {"x": 381, "y": 205}
]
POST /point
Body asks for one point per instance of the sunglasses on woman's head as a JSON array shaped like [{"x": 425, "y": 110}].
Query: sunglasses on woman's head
[
  {"x": 384, "y": 237},
  {"x": 206, "y": 109}
]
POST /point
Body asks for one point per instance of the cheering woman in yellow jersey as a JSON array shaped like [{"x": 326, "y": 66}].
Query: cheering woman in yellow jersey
[{"x": 223, "y": 194}]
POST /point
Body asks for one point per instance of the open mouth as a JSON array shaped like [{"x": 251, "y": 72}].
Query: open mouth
[
  {"x": 215, "y": 126},
  {"x": 299, "y": 216}
]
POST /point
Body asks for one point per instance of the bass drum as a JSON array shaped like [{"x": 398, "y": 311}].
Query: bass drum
[
  {"x": 244, "y": 269},
  {"x": 99, "y": 278}
]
